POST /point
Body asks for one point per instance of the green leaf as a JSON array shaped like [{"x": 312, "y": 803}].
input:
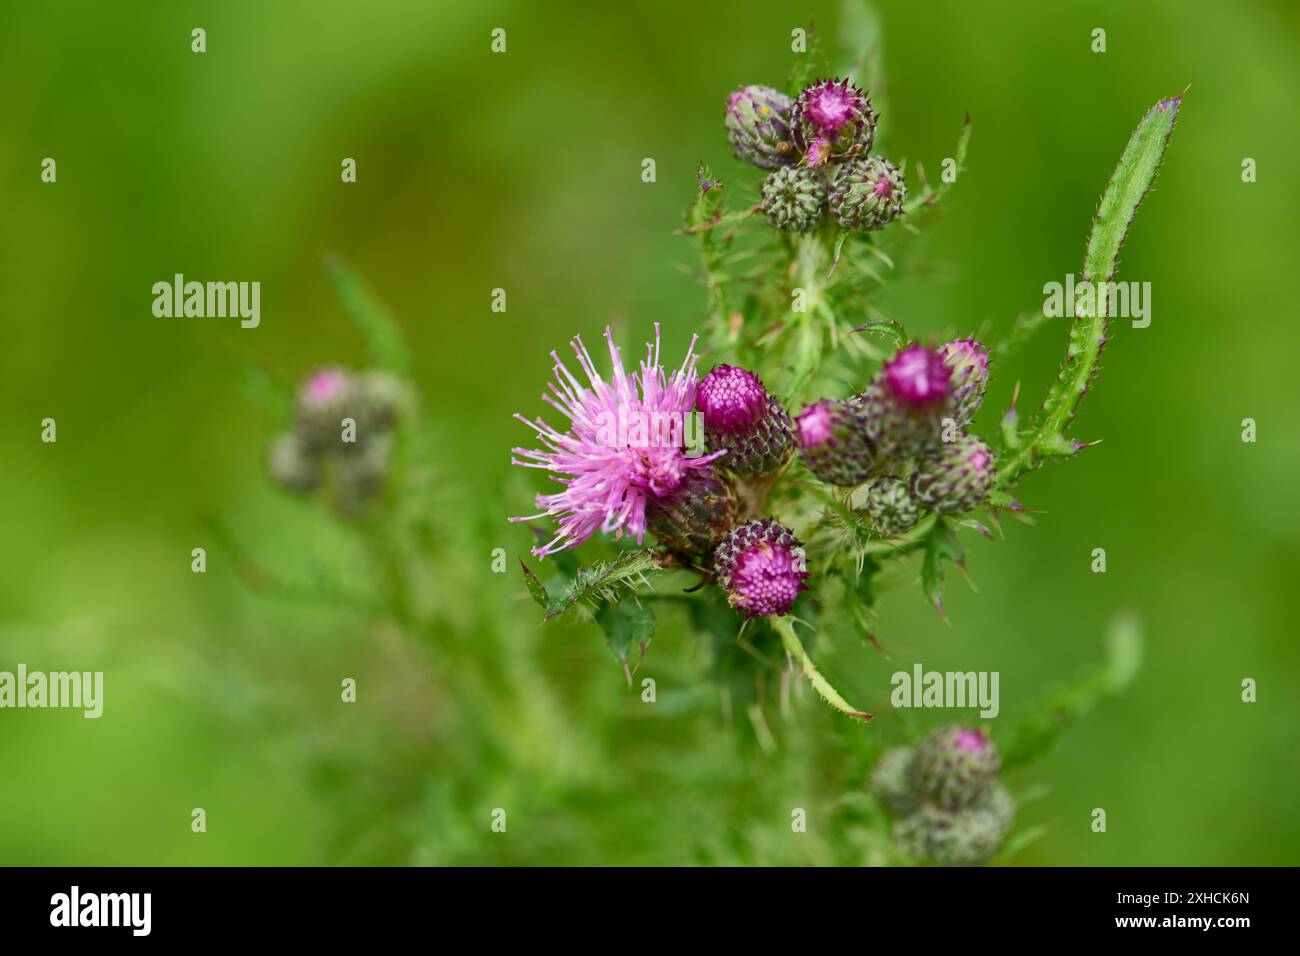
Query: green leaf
[
  {"x": 809, "y": 65},
  {"x": 627, "y": 624},
  {"x": 941, "y": 545},
  {"x": 535, "y": 589},
  {"x": 1037, "y": 734},
  {"x": 1137, "y": 169},
  {"x": 793, "y": 647},
  {"x": 603, "y": 581},
  {"x": 383, "y": 336},
  {"x": 1131, "y": 181}
]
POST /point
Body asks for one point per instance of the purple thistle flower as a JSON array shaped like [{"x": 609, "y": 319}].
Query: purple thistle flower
[
  {"x": 955, "y": 766},
  {"x": 614, "y": 459},
  {"x": 761, "y": 566},
  {"x": 968, "y": 361},
  {"x": 740, "y": 416},
  {"x": 832, "y": 121},
  {"x": 917, "y": 375}
]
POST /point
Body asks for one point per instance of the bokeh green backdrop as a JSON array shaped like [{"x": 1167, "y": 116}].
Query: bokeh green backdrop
[{"x": 522, "y": 171}]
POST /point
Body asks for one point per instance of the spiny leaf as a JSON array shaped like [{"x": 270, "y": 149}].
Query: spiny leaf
[
  {"x": 1038, "y": 732},
  {"x": 941, "y": 545},
  {"x": 795, "y": 649},
  {"x": 383, "y": 336},
  {"x": 627, "y": 624},
  {"x": 603, "y": 581},
  {"x": 535, "y": 589},
  {"x": 1132, "y": 179}
]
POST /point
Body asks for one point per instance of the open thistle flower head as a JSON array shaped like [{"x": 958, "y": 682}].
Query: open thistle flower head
[
  {"x": 761, "y": 566},
  {"x": 968, "y": 361},
  {"x": 622, "y": 450},
  {"x": 741, "y": 416},
  {"x": 832, "y": 121}
]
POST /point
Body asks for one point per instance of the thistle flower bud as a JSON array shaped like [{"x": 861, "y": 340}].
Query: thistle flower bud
[
  {"x": 907, "y": 400},
  {"x": 891, "y": 780},
  {"x": 694, "y": 519},
  {"x": 325, "y": 399},
  {"x": 955, "y": 766},
  {"x": 291, "y": 466},
  {"x": 758, "y": 127},
  {"x": 954, "y": 476},
  {"x": 740, "y": 416},
  {"x": 890, "y": 506},
  {"x": 361, "y": 471},
  {"x": 833, "y": 442},
  {"x": 969, "y": 362},
  {"x": 385, "y": 398},
  {"x": 867, "y": 194},
  {"x": 832, "y": 121},
  {"x": 761, "y": 567},
  {"x": 794, "y": 199},
  {"x": 968, "y": 837}
]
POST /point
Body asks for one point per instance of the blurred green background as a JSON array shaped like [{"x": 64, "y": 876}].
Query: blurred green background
[{"x": 522, "y": 171}]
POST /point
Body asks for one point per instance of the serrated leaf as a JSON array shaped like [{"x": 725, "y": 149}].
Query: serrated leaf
[
  {"x": 627, "y": 625},
  {"x": 603, "y": 581},
  {"x": 941, "y": 545},
  {"x": 1036, "y": 734},
  {"x": 535, "y": 589},
  {"x": 383, "y": 336},
  {"x": 794, "y": 647}
]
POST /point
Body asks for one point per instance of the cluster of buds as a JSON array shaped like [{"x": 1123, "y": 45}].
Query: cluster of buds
[
  {"x": 902, "y": 436},
  {"x": 949, "y": 805},
  {"x": 342, "y": 436},
  {"x": 815, "y": 148}
]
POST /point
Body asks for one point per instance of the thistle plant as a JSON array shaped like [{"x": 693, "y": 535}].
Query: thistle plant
[{"x": 836, "y": 442}]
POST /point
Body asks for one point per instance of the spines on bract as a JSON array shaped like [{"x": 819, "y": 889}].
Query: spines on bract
[
  {"x": 834, "y": 444},
  {"x": 794, "y": 199},
  {"x": 969, "y": 362},
  {"x": 867, "y": 194},
  {"x": 954, "y": 476},
  {"x": 891, "y": 506},
  {"x": 740, "y": 415},
  {"x": 758, "y": 127},
  {"x": 762, "y": 567},
  {"x": 955, "y": 766},
  {"x": 832, "y": 121},
  {"x": 906, "y": 402},
  {"x": 692, "y": 520},
  {"x": 891, "y": 780}
]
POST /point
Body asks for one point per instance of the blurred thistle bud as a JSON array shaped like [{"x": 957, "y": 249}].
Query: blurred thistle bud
[
  {"x": 832, "y": 121},
  {"x": 761, "y": 566},
  {"x": 867, "y": 194},
  {"x": 740, "y": 416},
  {"x": 794, "y": 199},
  {"x": 290, "y": 464},
  {"x": 969, "y": 837},
  {"x": 955, "y": 766},
  {"x": 361, "y": 471},
  {"x": 891, "y": 506},
  {"x": 907, "y": 400},
  {"x": 325, "y": 399},
  {"x": 833, "y": 442},
  {"x": 758, "y": 127},
  {"x": 891, "y": 780},
  {"x": 969, "y": 362},
  {"x": 386, "y": 398},
  {"x": 696, "y": 516},
  {"x": 954, "y": 476}
]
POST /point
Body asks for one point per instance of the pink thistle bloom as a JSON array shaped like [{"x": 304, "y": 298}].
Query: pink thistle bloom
[{"x": 623, "y": 448}]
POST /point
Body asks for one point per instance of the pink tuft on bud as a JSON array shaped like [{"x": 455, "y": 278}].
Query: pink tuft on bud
[
  {"x": 815, "y": 425},
  {"x": 970, "y": 740},
  {"x": 324, "y": 386},
  {"x": 917, "y": 375}
]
